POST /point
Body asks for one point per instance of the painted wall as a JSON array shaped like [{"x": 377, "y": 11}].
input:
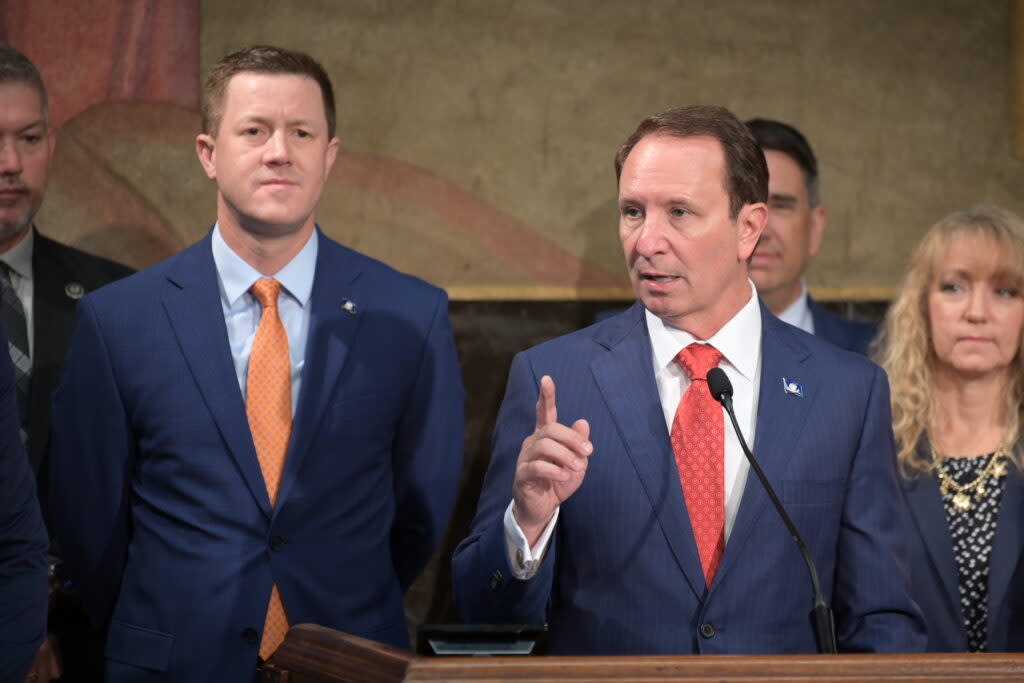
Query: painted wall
[{"x": 479, "y": 135}]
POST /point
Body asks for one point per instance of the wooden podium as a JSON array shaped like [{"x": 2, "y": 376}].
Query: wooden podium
[{"x": 313, "y": 654}]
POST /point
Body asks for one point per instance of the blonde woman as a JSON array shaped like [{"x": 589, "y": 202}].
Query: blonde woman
[{"x": 951, "y": 346}]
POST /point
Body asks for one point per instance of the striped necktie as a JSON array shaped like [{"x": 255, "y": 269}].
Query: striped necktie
[{"x": 12, "y": 317}]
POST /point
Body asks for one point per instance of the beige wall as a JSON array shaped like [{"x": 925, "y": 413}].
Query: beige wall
[{"x": 480, "y": 133}]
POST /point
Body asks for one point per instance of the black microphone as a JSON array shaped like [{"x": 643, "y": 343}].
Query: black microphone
[{"x": 821, "y": 615}]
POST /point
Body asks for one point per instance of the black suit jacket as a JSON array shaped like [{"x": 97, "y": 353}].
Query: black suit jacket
[{"x": 60, "y": 276}]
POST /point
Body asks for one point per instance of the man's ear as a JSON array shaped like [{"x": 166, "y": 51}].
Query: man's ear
[
  {"x": 819, "y": 217},
  {"x": 206, "y": 151},
  {"x": 332, "y": 154},
  {"x": 750, "y": 224}
]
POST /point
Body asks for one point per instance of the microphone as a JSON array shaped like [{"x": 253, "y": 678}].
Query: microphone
[{"x": 821, "y": 615}]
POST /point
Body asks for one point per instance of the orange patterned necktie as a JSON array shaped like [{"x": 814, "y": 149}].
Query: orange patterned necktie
[
  {"x": 268, "y": 405},
  {"x": 698, "y": 442}
]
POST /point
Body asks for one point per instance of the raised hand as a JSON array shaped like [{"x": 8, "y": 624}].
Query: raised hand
[{"x": 551, "y": 465}]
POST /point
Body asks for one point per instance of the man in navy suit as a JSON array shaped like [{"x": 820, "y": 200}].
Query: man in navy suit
[
  {"x": 792, "y": 237},
  {"x": 185, "y": 539},
  {"x": 23, "y": 591},
  {"x": 589, "y": 512}
]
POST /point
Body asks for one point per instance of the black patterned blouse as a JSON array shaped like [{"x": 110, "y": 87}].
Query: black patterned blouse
[{"x": 972, "y": 532}]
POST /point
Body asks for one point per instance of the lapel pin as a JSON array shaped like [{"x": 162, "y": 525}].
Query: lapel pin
[
  {"x": 348, "y": 305},
  {"x": 792, "y": 388},
  {"x": 74, "y": 290}
]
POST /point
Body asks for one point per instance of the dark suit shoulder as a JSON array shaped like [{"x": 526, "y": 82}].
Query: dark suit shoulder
[
  {"x": 140, "y": 288},
  {"x": 851, "y": 335},
  {"x": 338, "y": 252},
  {"x": 91, "y": 271},
  {"x": 596, "y": 338},
  {"x": 826, "y": 353}
]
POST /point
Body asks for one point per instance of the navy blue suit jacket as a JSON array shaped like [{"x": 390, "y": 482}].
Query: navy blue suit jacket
[
  {"x": 159, "y": 501},
  {"x": 851, "y": 335},
  {"x": 23, "y": 541},
  {"x": 934, "y": 583},
  {"x": 623, "y": 575}
]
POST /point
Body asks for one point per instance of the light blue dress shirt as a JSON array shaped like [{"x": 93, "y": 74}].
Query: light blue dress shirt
[
  {"x": 799, "y": 312},
  {"x": 242, "y": 311}
]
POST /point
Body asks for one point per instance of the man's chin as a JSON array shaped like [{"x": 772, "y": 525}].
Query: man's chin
[
  {"x": 13, "y": 230},
  {"x": 663, "y": 307}
]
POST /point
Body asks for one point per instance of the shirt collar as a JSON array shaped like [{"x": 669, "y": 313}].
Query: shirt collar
[
  {"x": 733, "y": 340},
  {"x": 236, "y": 276},
  {"x": 19, "y": 257},
  {"x": 798, "y": 314}
]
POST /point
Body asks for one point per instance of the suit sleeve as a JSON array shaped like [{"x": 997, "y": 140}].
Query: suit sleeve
[
  {"x": 428, "y": 450},
  {"x": 92, "y": 456},
  {"x": 873, "y": 608},
  {"x": 485, "y": 588},
  {"x": 23, "y": 542}
]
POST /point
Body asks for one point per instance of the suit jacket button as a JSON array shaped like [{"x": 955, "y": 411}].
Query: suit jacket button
[
  {"x": 277, "y": 542},
  {"x": 496, "y": 579},
  {"x": 707, "y": 630},
  {"x": 251, "y": 636}
]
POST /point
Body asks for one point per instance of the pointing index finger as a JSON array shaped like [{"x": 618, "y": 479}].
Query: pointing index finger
[{"x": 547, "y": 413}]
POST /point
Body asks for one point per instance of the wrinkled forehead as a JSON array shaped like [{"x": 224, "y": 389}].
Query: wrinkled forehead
[{"x": 981, "y": 254}]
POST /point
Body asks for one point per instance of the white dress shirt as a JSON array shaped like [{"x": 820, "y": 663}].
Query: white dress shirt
[
  {"x": 242, "y": 310},
  {"x": 742, "y": 364},
  {"x": 798, "y": 314},
  {"x": 19, "y": 259}
]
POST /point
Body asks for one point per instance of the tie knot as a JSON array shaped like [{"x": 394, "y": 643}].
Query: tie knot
[
  {"x": 266, "y": 290},
  {"x": 697, "y": 359}
]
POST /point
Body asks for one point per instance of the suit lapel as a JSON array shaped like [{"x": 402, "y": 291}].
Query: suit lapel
[
  {"x": 50, "y": 303},
  {"x": 192, "y": 303},
  {"x": 1007, "y": 544},
  {"x": 780, "y": 421},
  {"x": 331, "y": 330},
  {"x": 625, "y": 378},
  {"x": 929, "y": 516}
]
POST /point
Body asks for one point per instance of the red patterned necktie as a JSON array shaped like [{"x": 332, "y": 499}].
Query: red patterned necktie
[
  {"x": 268, "y": 405},
  {"x": 698, "y": 442}
]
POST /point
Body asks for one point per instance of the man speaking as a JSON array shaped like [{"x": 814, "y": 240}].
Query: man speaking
[{"x": 617, "y": 506}]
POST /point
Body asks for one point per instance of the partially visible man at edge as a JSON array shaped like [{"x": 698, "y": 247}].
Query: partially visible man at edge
[
  {"x": 22, "y": 544},
  {"x": 793, "y": 236},
  {"x": 264, "y": 429},
  {"x": 41, "y": 281},
  {"x": 622, "y": 513}
]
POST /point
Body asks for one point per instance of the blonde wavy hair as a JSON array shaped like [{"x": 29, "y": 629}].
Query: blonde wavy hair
[{"x": 904, "y": 347}]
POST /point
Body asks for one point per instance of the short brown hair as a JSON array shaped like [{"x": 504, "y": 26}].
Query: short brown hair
[
  {"x": 264, "y": 59},
  {"x": 746, "y": 172},
  {"x": 17, "y": 68}
]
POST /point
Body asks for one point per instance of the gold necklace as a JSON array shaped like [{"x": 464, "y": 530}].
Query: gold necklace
[{"x": 996, "y": 468}]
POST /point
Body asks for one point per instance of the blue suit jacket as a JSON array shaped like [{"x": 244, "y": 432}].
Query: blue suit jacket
[
  {"x": 623, "y": 574},
  {"x": 23, "y": 541},
  {"x": 934, "y": 583},
  {"x": 851, "y": 335},
  {"x": 159, "y": 501}
]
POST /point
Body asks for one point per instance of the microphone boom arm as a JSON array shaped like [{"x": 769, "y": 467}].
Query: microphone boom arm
[{"x": 821, "y": 615}]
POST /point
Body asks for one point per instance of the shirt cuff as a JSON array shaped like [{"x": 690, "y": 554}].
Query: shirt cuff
[{"x": 524, "y": 560}]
